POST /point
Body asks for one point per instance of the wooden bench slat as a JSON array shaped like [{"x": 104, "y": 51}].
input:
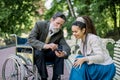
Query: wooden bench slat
[
  {"x": 116, "y": 52},
  {"x": 117, "y": 65},
  {"x": 118, "y": 42},
  {"x": 117, "y": 69},
  {"x": 117, "y": 45},
  {"x": 116, "y": 59},
  {"x": 116, "y": 62},
  {"x": 116, "y": 49},
  {"x": 116, "y": 55},
  {"x": 116, "y": 77}
]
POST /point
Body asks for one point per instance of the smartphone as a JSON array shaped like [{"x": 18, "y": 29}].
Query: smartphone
[{"x": 59, "y": 50}]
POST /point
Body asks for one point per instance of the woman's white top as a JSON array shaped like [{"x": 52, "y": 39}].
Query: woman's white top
[{"x": 95, "y": 51}]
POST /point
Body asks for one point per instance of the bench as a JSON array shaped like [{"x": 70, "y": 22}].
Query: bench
[{"x": 116, "y": 59}]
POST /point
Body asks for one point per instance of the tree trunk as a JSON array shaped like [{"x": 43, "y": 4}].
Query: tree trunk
[{"x": 71, "y": 8}]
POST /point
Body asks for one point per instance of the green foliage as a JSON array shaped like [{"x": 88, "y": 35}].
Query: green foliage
[
  {"x": 104, "y": 14},
  {"x": 57, "y": 6},
  {"x": 110, "y": 48},
  {"x": 15, "y": 16},
  {"x": 68, "y": 26}
]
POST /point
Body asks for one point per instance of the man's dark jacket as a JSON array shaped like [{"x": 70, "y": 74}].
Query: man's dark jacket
[{"x": 39, "y": 33}]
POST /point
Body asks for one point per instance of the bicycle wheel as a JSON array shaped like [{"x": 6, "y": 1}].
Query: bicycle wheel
[{"x": 12, "y": 69}]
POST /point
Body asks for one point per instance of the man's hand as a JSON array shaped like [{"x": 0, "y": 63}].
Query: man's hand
[
  {"x": 60, "y": 53},
  {"x": 51, "y": 46}
]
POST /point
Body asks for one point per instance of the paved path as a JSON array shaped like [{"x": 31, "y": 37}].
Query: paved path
[{"x": 4, "y": 53}]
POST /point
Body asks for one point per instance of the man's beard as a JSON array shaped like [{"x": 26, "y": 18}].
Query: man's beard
[{"x": 55, "y": 30}]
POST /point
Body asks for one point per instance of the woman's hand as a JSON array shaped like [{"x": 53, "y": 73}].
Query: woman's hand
[{"x": 79, "y": 62}]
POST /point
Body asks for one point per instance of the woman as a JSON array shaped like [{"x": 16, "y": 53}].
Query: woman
[{"x": 94, "y": 63}]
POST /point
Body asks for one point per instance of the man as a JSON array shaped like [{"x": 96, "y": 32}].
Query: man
[{"x": 47, "y": 37}]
